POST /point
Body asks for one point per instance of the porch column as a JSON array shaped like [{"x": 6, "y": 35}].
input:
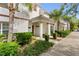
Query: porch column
[
  {"x": 41, "y": 30},
  {"x": 1, "y": 28},
  {"x": 49, "y": 29}
]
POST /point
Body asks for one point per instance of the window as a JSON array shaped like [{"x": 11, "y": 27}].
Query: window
[{"x": 4, "y": 28}]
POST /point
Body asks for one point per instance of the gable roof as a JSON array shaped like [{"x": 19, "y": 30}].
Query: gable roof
[{"x": 42, "y": 18}]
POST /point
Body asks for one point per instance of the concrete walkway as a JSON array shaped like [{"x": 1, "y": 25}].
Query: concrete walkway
[{"x": 66, "y": 47}]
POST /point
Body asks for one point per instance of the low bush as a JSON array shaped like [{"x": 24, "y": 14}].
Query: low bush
[
  {"x": 46, "y": 36},
  {"x": 63, "y": 33},
  {"x": 37, "y": 48},
  {"x": 2, "y": 36},
  {"x": 54, "y": 35},
  {"x": 23, "y": 38},
  {"x": 8, "y": 49}
]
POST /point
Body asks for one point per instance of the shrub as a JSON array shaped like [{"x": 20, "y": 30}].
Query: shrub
[
  {"x": 72, "y": 26},
  {"x": 2, "y": 36},
  {"x": 8, "y": 49},
  {"x": 63, "y": 33},
  {"x": 23, "y": 38},
  {"x": 46, "y": 37},
  {"x": 54, "y": 35},
  {"x": 37, "y": 48}
]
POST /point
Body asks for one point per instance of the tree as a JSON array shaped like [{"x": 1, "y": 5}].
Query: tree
[
  {"x": 31, "y": 6},
  {"x": 56, "y": 15},
  {"x": 67, "y": 18},
  {"x": 78, "y": 23},
  {"x": 71, "y": 9},
  {"x": 12, "y": 9},
  {"x": 73, "y": 23},
  {"x": 11, "y": 19}
]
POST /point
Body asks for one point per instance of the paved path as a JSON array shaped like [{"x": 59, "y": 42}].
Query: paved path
[{"x": 66, "y": 47}]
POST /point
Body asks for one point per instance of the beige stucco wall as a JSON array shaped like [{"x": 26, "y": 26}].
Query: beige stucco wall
[
  {"x": 20, "y": 25},
  {"x": 29, "y": 26},
  {"x": 34, "y": 13},
  {"x": 65, "y": 25},
  {"x": 22, "y": 14},
  {"x": 4, "y": 19}
]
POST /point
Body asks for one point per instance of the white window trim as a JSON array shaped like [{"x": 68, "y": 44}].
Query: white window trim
[{"x": 1, "y": 28}]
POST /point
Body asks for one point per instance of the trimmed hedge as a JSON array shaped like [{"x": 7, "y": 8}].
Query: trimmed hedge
[
  {"x": 23, "y": 38},
  {"x": 8, "y": 49},
  {"x": 63, "y": 33},
  {"x": 37, "y": 48}
]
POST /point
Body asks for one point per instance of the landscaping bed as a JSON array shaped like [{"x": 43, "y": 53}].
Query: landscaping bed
[
  {"x": 37, "y": 48},
  {"x": 25, "y": 45},
  {"x": 63, "y": 33}
]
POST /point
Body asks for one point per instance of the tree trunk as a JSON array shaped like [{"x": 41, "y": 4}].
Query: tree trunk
[
  {"x": 58, "y": 24},
  {"x": 54, "y": 33},
  {"x": 11, "y": 20}
]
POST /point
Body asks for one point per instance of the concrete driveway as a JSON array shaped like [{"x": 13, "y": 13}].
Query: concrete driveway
[{"x": 69, "y": 46}]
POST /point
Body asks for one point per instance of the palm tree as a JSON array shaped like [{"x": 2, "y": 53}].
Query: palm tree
[
  {"x": 68, "y": 19},
  {"x": 56, "y": 15},
  {"x": 11, "y": 19},
  {"x": 31, "y": 6}
]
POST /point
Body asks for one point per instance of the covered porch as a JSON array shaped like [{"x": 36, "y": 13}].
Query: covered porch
[{"x": 41, "y": 25}]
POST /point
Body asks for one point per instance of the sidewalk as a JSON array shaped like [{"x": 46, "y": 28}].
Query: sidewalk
[{"x": 69, "y": 46}]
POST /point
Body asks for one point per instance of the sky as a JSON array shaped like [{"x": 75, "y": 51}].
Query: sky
[{"x": 51, "y": 6}]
